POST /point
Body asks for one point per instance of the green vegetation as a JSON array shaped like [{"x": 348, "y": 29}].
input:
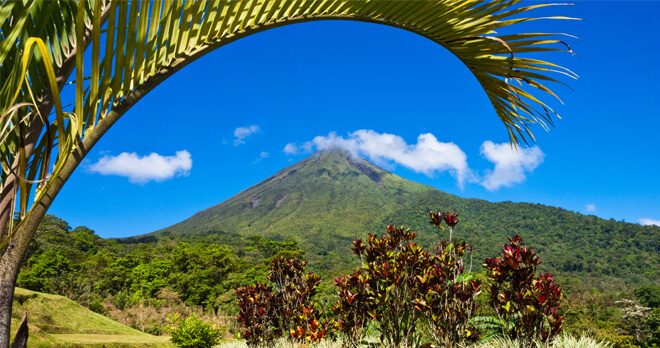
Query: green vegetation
[
  {"x": 329, "y": 199},
  {"x": 192, "y": 332},
  {"x": 140, "y": 281},
  {"x": 56, "y": 321}
]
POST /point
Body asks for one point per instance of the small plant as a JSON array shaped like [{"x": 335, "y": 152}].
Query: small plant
[
  {"x": 192, "y": 332},
  {"x": 526, "y": 304},
  {"x": 97, "y": 307}
]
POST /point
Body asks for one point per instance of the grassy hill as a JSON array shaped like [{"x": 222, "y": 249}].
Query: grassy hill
[
  {"x": 56, "y": 321},
  {"x": 331, "y": 198}
]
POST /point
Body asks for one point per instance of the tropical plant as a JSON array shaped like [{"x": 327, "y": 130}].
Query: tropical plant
[
  {"x": 134, "y": 46},
  {"x": 447, "y": 292},
  {"x": 283, "y": 310},
  {"x": 193, "y": 332},
  {"x": 351, "y": 310},
  {"x": 402, "y": 287},
  {"x": 526, "y": 303}
]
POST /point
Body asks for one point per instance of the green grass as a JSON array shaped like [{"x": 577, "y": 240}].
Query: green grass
[{"x": 56, "y": 321}]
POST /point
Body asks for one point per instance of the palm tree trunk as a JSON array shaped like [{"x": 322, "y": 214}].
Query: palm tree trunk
[{"x": 11, "y": 263}]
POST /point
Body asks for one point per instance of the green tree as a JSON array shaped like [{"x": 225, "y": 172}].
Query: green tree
[
  {"x": 43, "y": 268},
  {"x": 44, "y": 42},
  {"x": 648, "y": 295}
]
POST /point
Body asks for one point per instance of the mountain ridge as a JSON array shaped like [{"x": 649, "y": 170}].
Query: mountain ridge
[{"x": 331, "y": 198}]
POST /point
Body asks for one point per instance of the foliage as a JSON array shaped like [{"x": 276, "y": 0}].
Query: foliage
[
  {"x": 97, "y": 307},
  {"x": 391, "y": 265},
  {"x": 400, "y": 286},
  {"x": 525, "y": 303},
  {"x": 448, "y": 294},
  {"x": 126, "y": 268},
  {"x": 561, "y": 341},
  {"x": 286, "y": 309},
  {"x": 42, "y": 269},
  {"x": 257, "y": 315},
  {"x": 612, "y": 255},
  {"x": 648, "y": 296},
  {"x": 192, "y": 332},
  {"x": 351, "y": 309}
]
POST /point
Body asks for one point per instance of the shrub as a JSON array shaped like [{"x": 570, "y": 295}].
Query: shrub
[
  {"x": 285, "y": 310},
  {"x": 193, "y": 332},
  {"x": 351, "y": 310},
  {"x": 402, "y": 286},
  {"x": 97, "y": 307},
  {"x": 447, "y": 293},
  {"x": 526, "y": 304},
  {"x": 256, "y": 314}
]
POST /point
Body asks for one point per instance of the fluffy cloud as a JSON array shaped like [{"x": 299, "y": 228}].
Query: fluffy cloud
[
  {"x": 590, "y": 208},
  {"x": 428, "y": 156},
  {"x": 243, "y": 132},
  {"x": 647, "y": 221},
  {"x": 141, "y": 170},
  {"x": 510, "y": 165},
  {"x": 293, "y": 149}
]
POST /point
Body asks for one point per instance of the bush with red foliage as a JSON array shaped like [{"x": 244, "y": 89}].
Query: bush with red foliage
[
  {"x": 285, "y": 310},
  {"x": 525, "y": 303},
  {"x": 401, "y": 286},
  {"x": 256, "y": 314}
]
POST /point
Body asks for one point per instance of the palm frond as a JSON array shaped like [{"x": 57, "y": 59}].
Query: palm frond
[{"x": 136, "y": 45}]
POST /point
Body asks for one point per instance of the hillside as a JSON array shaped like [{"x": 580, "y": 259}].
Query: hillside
[
  {"x": 56, "y": 321},
  {"x": 330, "y": 198},
  {"x": 325, "y": 198}
]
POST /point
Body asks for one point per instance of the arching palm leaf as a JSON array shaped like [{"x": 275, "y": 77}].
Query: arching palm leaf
[{"x": 133, "y": 46}]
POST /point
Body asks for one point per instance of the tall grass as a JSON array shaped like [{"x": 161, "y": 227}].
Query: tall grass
[{"x": 563, "y": 341}]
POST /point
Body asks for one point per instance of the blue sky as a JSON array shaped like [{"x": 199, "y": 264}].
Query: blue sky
[{"x": 223, "y": 123}]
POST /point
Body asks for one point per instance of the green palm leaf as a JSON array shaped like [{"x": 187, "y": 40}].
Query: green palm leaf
[{"x": 138, "y": 44}]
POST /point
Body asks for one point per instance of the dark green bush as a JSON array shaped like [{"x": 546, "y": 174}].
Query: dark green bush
[{"x": 97, "y": 307}]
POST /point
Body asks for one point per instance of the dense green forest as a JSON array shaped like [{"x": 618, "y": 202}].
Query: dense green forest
[
  {"x": 331, "y": 198},
  {"x": 314, "y": 210},
  {"x": 140, "y": 280}
]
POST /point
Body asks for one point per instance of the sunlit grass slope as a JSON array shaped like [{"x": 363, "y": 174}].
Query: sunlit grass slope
[{"x": 56, "y": 321}]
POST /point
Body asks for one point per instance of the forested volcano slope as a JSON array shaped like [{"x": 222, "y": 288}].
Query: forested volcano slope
[{"x": 331, "y": 198}]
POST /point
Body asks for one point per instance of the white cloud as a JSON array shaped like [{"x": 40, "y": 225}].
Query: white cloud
[
  {"x": 510, "y": 165},
  {"x": 428, "y": 156},
  {"x": 291, "y": 149},
  {"x": 590, "y": 208},
  {"x": 243, "y": 132},
  {"x": 647, "y": 221},
  {"x": 141, "y": 170},
  {"x": 262, "y": 155}
]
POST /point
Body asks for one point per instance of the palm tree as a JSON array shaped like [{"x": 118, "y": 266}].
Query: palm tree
[{"x": 134, "y": 46}]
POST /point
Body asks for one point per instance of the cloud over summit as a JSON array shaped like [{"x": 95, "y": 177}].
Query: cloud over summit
[
  {"x": 430, "y": 156},
  {"x": 427, "y": 156}
]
